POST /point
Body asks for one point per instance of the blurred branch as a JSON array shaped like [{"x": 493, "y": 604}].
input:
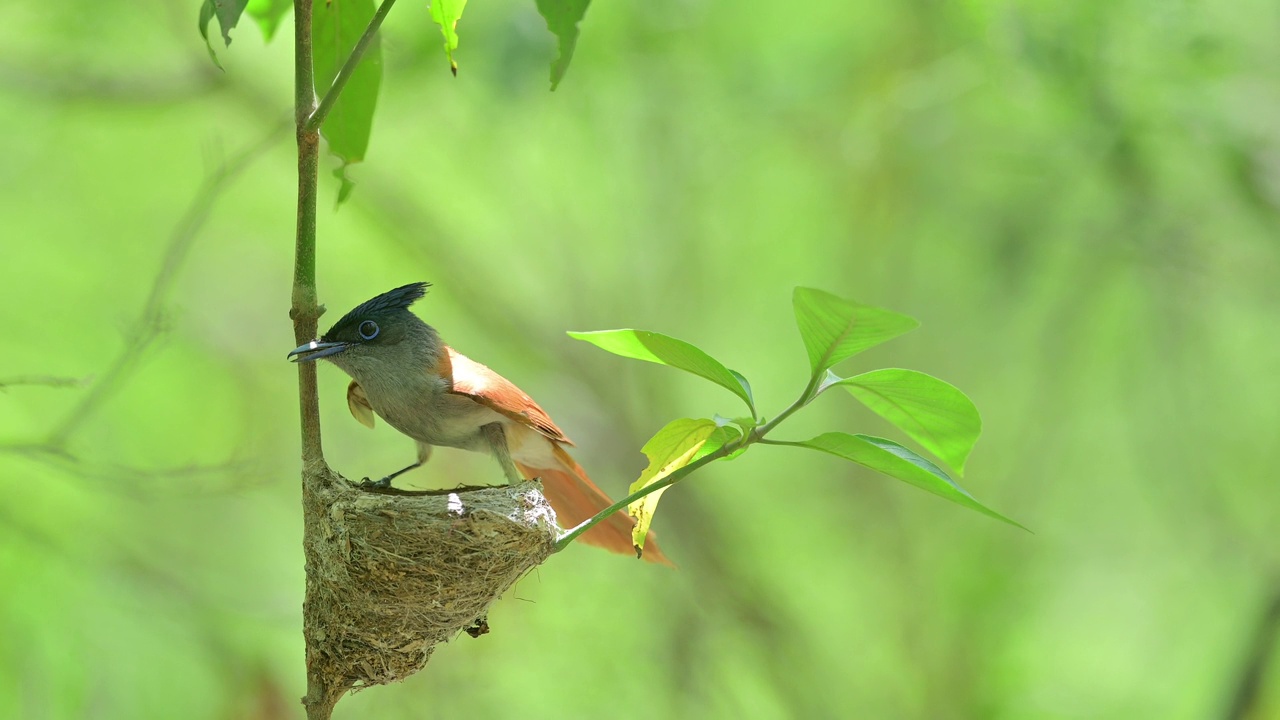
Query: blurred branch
[
  {"x": 72, "y": 84},
  {"x": 147, "y": 328},
  {"x": 1249, "y": 684},
  {"x": 43, "y": 381},
  {"x": 128, "y": 479},
  {"x": 150, "y": 323}
]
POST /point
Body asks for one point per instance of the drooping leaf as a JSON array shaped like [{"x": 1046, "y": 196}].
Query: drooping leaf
[
  {"x": 562, "y": 18},
  {"x": 269, "y": 14},
  {"x": 336, "y": 26},
  {"x": 934, "y": 413},
  {"x": 835, "y": 329},
  {"x": 665, "y": 350},
  {"x": 446, "y": 13},
  {"x": 673, "y": 447},
  {"x": 228, "y": 13},
  {"x": 896, "y": 461}
]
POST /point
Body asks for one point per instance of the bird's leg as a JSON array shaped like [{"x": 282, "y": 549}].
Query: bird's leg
[
  {"x": 424, "y": 452},
  {"x": 386, "y": 481},
  {"x": 497, "y": 439}
]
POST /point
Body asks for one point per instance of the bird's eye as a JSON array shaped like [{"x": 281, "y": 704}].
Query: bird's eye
[{"x": 368, "y": 329}]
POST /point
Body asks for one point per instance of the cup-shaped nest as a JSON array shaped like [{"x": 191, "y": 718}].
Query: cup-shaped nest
[{"x": 392, "y": 574}]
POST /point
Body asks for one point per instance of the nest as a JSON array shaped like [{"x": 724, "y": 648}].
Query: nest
[{"x": 391, "y": 574}]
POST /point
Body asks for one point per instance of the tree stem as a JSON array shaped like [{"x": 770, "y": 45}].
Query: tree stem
[
  {"x": 317, "y": 117},
  {"x": 322, "y": 692}
]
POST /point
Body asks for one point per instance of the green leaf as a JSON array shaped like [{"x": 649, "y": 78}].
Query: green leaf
[
  {"x": 723, "y": 435},
  {"x": 206, "y": 15},
  {"x": 835, "y": 329},
  {"x": 562, "y": 18},
  {"x": 934, "y": 413},
  {"x": 336, "y": 27},
  {"x": 268, "y": 14},
  {"x": 896, "y": 461},
  {"x": 228, "y": 14},
  {"x": 446, "y": 13},
  {"x": 665, "y": 350},
  {"x": 673, "y": 447}
]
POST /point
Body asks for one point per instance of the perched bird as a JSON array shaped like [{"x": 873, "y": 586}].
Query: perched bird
[{"x": 404, "y": 373}]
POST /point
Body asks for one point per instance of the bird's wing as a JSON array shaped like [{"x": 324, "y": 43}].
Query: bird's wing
[
  {"x": 358, "y": 403},
  {"x": 490, "y": 389}
]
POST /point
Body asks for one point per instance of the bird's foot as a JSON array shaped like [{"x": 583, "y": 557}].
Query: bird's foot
[{"x": 383, "y": 484}]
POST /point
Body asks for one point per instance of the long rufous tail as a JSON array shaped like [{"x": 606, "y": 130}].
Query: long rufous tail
[{"x": 575, "y": 498}]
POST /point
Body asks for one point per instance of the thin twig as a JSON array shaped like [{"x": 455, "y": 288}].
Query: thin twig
[
  {"x": 43, "y": 381},
  {"x": 348, "y": 67}
]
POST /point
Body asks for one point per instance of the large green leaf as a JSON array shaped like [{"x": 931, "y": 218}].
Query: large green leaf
[
  {"x": 934, "y": 413},
  {"x": 269, "y": 14},
  {"x": 835, "y": 329},
  {"x": 665, "y": 350},
  {"x": 336, "y": 27},
  {"x": 673, "y": 447},
  {"x": 446, "y": 13},
  {"x": 896, "y": 461},
  {"x": 562, "y": 18},
  {"x": 228, "y": 13}
]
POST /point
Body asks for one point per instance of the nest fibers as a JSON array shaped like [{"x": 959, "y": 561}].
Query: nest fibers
[{"x": 392, "y": 574}]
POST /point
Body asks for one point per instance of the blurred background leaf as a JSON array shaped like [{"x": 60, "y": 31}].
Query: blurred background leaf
[{"x": 1079, "y": 201}]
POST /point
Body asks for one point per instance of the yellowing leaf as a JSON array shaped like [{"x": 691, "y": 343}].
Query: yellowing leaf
[{"x": 673, "y": 447}]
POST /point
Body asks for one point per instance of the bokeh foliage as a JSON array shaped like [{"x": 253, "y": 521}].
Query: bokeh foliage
[{"x": 1078, "y": 200}]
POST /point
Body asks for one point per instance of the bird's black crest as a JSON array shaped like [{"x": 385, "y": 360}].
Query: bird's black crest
[{"x": 399, "y": 299}]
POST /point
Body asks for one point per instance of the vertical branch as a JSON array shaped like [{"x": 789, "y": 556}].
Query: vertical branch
[
  {"x": 305, "y": 312},
  {"x": 322, "y": 692}
]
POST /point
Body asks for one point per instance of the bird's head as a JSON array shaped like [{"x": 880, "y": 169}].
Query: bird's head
[{"x": 380, "y": 323}]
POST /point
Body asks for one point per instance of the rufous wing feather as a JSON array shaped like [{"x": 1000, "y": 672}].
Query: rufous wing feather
[
  {"x": 572, "y": 494},
  {"x": 487, "y": 387}
]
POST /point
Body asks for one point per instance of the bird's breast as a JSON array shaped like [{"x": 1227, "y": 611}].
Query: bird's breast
[{"x": 428, "y": 412}]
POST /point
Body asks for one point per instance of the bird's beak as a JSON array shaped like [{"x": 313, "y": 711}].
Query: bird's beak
[{"x": 315, "y": 350}]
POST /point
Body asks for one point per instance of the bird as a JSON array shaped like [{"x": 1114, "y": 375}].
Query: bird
[{"x": 403, "y": 372}]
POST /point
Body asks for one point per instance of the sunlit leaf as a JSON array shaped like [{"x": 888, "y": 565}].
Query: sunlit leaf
[
  {"x": 446, "y": 13},
  {"x": 562, "y": 18},
  {"x": 673, "y": 447},
  {"x": 896, "y": 461},
  {"x": 835, "y": 329},
  {"x": 665, "y": 350},
  {"x": 269, "y": 14},
  {"x": 336, "y": 27},
  {"x": 228, "y": 13},
  {"x": 934, "y": 413}
]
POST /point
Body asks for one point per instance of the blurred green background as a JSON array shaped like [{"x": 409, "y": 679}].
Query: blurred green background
[{"x": 1080, "y": 201}]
